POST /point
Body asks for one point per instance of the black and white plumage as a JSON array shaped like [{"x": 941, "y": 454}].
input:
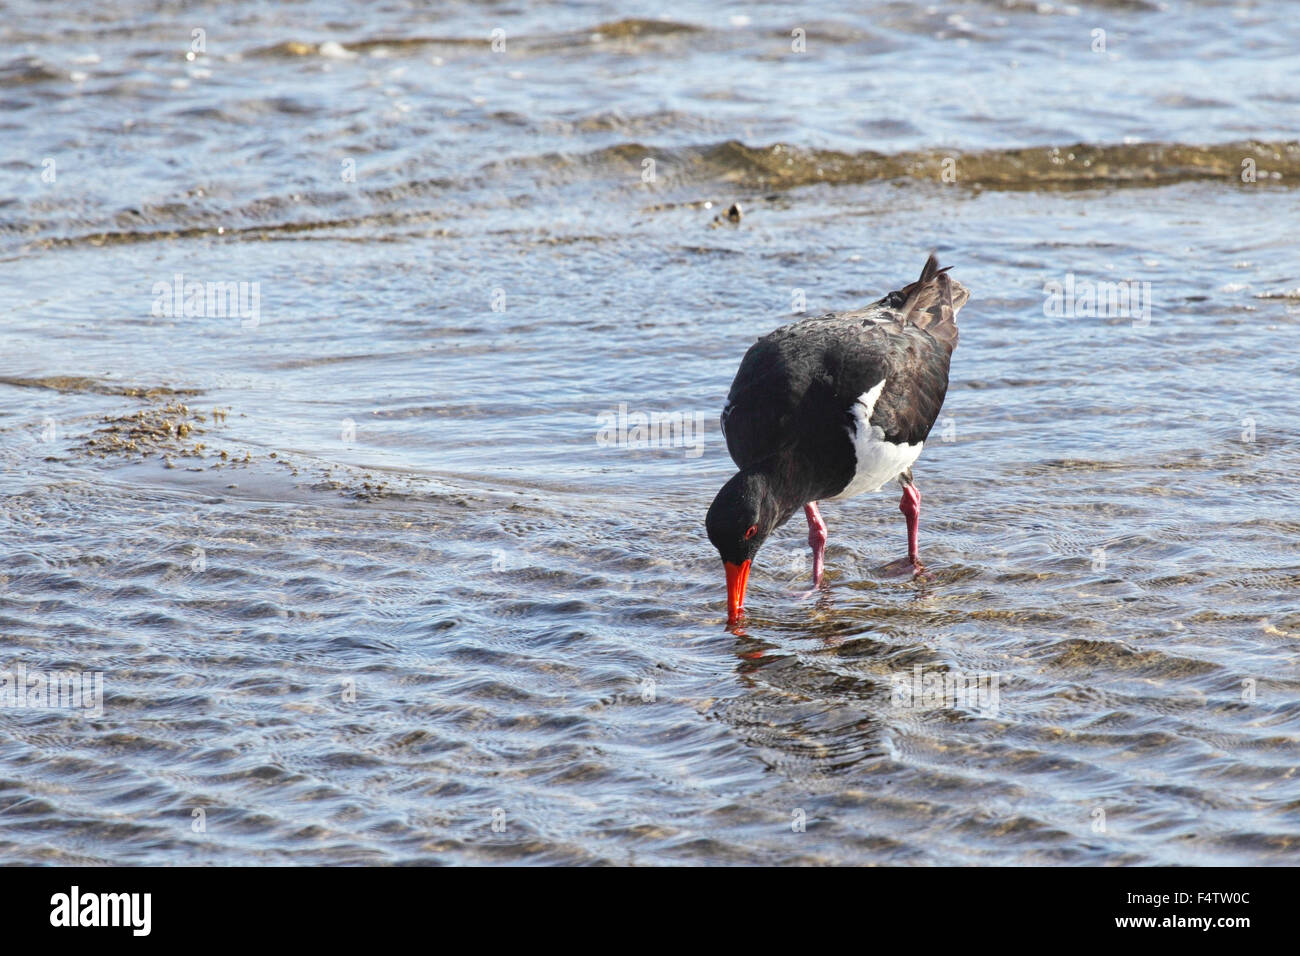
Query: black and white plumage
[{"x": 833, "y": 406}]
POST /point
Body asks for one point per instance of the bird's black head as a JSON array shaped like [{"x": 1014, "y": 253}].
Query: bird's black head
[{"x": 741, "y": 517}]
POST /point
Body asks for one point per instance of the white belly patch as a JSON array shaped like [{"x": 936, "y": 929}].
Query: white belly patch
[{"x": 878, "y": 461}]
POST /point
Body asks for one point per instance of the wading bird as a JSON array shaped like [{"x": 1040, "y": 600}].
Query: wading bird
[{"x": 831, "y": 407}]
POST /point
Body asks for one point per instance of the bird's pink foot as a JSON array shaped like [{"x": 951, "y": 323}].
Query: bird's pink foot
[
  {"x": 903, "y": 566},
  {"x": 910, "y": 505},
  {"x": 816, "y": 540}
]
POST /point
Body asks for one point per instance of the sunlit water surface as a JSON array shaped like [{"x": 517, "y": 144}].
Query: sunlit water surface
[{"x": 396, "y": 602}]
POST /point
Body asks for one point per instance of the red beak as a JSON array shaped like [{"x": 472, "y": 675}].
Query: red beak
[{"x": 737, "y": 578}]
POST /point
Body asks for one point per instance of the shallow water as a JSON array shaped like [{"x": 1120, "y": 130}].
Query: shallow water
[{"x": 396, "y": 602}]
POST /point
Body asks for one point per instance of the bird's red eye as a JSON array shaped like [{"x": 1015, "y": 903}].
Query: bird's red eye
[{"x": 753, "y": 530}]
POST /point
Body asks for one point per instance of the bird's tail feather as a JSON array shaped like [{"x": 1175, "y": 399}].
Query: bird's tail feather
[{"x": 933, "y": 301}]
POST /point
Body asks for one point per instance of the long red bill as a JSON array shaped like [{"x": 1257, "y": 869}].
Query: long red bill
[{"x": 737, "y": 578}]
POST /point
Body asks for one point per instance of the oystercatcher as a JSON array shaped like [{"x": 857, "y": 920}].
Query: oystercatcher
[{"x": 831, "y": 407}]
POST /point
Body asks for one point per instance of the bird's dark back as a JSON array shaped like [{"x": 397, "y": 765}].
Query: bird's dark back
[{"x": 791, "y": 377}]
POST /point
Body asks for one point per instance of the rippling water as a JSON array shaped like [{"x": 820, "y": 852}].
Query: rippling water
[{"x": 361, "y": 581}]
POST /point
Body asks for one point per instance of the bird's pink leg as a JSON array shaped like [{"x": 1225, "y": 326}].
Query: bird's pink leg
[
  {"x": 816, "y": 540},
  {"x": 911, "y": 508}
]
